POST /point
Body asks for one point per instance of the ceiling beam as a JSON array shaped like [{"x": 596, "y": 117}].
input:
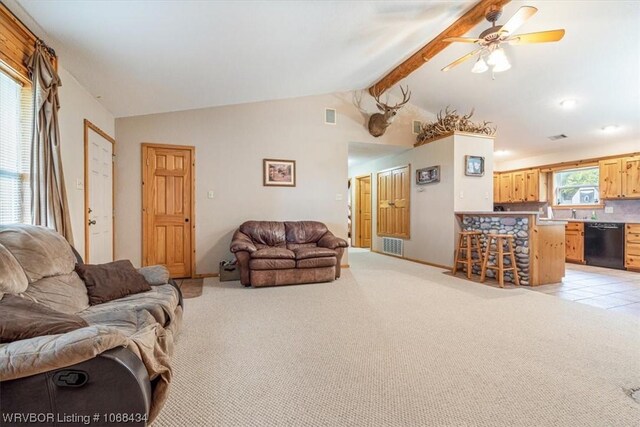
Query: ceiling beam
[{"x": 458, "y": 29}]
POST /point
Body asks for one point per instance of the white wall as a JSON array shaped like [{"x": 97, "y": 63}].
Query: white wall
[
  {"x": 433, "y": 223},
  {"x": 231, "y": 143},
  {"x": 585, "y": 152},
  {"x": 76, "y": 104}
]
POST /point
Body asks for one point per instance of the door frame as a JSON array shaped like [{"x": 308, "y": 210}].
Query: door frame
[
  {"x": 88, "y": 126},
  {"x": 358, "y": 240},
  {"x": 143, "y": 147}
]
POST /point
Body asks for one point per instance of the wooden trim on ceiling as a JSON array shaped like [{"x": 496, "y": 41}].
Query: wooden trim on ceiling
[
  {"x": 552, "y": 167},
  {"x": 90, "y": 126},
  {"x": 17, "y": 43},
  {"x": 459, "y": 28}
]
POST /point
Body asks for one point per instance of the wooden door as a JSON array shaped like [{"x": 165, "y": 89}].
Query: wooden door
[
  {"x": 574, "y": 242},
  {"x": 98, "y": 195},
  {"x": 610, "y": 178},
  {"x": 505, "y": 188},
  {"x": 631, "y": 177},
  {"x": 532, "y": 185},
  {"x": 363, "y": 189},
  {"x": 496, "y": 188},
  {"x": 168, "y": 208},
  {"x": 518, "y": 186},
  {"x": 394, "y": 187}
]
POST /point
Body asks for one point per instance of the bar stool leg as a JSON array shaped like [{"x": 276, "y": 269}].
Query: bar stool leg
[
  {"x": 483, "y": 271},
  {"x": 479, "y": 250},
  {"x": 469, "y": 250},
  {"x": 501, "y": 262},
  {"x": 513, "y": 263}
]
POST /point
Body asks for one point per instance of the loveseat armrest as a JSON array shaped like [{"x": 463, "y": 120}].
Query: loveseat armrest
[
  {"x": 332, "y": 242},
  {"x": 242, "y": 242}
]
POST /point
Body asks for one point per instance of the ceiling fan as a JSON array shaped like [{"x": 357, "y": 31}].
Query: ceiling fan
[{"x": 491, "y": 39}]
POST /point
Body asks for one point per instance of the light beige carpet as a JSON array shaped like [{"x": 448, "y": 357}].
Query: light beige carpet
[{"x": 395, "y": 343}]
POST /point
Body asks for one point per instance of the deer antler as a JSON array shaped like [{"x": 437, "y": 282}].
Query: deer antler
[{"x": 406, "y": 96}]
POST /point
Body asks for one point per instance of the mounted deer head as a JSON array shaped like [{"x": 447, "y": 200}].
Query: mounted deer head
[{"x": 379, "y": 122}]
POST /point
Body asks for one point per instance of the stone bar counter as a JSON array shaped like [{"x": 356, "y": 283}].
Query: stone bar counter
[{"x": 539, "y": 244}]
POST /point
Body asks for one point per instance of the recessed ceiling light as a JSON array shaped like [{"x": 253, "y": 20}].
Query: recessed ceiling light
[
  {"x": 568, "y": 104},
  {"x": 501, "y": 153},
  {"x": 610, "y": 128}
]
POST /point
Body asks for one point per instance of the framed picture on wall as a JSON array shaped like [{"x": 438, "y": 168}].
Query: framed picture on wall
[
  {"x": 428, "y": 175},
  {"x": 279, "y": 173},
  {"x": 474, "y": 165}
]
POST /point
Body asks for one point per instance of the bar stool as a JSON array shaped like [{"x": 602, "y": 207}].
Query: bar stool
[
  {"x": 468, "y": 242},
  {"x": 500, "y": 240}
]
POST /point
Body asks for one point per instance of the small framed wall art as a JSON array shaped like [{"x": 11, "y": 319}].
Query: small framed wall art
[
  {"x": 473, "y": 165},
  {"x": 279, "y": 173},
  {"x": 429, "y": 175}
]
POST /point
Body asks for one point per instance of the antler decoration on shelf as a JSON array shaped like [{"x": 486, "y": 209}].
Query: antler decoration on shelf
[{"x": 449, "y": 122}]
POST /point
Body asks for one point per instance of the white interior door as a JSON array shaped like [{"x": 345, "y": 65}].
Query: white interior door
[{"x": 99, "y": 187}]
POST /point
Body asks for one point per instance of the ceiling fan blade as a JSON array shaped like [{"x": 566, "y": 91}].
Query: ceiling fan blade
[
  {"x": 541, "y": 37},
  {"x": 462, "y": 59},
  {"x": 461, "y": 40},
  {"x": 520, "y": 17}
]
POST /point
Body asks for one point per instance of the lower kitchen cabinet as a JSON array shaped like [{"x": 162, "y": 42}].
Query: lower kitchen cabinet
[
  {"x": 632, "y": 247},
  {"x": 574, "y": 242}
]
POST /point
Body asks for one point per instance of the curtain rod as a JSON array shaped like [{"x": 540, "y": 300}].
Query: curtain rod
[{"x": 47, "y": 48}]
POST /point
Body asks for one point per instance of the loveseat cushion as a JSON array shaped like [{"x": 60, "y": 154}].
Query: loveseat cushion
[
  {"x": 317, "y": 262},
  {"x": 41, "y": 252},
  {"x": 12, "y": 277},
  {"x": 23, "y": 319},
  {"x": 265, "y": 233},
  {"x": 274, "y": 253},
  {"x": 304, "y": 231},
  {"x": 107, "y": 282},
  {"x": 271, "y": 264},
  {"x": 318, "y": 252}
]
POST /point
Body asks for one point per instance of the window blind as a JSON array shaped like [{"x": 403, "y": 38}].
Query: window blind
[{"x": 15, "y": 143}]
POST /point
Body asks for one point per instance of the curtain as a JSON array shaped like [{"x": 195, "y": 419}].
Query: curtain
[{"x": 49, "y": 206}]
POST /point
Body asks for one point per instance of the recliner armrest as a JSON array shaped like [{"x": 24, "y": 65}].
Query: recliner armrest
[
  {"x": 332, "y": 242},
  {"x": 155, "y": 274}
]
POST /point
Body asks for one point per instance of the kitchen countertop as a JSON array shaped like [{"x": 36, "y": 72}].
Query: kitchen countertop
[
  {"x": 590, "y": 220},
  {"x": 539, "y": 221}
]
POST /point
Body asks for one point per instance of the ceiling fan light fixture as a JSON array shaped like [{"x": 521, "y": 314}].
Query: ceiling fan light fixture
[
  {"x": 480, "y": 66},
  {"x": 501, "y": 66}
]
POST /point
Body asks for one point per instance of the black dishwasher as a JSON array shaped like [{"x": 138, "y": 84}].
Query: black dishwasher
[{"x": 604, "y": 244}]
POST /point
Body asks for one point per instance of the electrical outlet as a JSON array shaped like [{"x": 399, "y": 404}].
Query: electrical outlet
[
  {"x": 338, "y": 196},
  {"x": 210, "y": 194},
  {"x": 608, "y": 209},
  {"x": 462, "y": 194},
  {"x": 79, "y": 184}
]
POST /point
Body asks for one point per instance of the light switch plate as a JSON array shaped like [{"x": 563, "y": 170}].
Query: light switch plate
[
  {"x": 210, "y": 194},
  {"x": 79, "y": 184},
  {"x": 608, "y": 209},
  {"x": 338, "y": 196}
]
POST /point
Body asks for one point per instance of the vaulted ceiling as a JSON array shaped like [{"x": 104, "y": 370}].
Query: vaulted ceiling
[{"x": 146, "y": 57}]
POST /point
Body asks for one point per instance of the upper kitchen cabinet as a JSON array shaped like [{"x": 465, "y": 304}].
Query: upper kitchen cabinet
[
  {"x": 517, "y": 186},
  {"x": 520, "y": 186},
  {"x": 535, "y": 186},
  {"x": 506, "y": 188},
  {"x": 620, "y": 178}
]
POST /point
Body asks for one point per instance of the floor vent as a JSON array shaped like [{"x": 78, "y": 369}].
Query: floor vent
[{"x": 392, "y": 246}]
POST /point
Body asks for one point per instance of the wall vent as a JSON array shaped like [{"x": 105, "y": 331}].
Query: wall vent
[
  {"x": 557, "y": 137},
  {"x": 416, "y": 127},
  {"x": 392, "y": 246},
  {"x": 330, "y": 116}
]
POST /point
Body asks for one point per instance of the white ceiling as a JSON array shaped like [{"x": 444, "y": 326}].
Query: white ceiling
[
  {"x": 362, "y": 152},
  {"x": 144, "y": 57}
]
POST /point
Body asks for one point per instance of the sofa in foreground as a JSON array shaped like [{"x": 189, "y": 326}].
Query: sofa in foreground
[
  {"x": 273, "y": 253},
  {"x": 89, "y": 357}
]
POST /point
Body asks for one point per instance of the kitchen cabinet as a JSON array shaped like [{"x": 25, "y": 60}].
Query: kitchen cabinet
[
  {"x": 574, "y": 242},
  {"x": 620, "y": 178},
  {"x": 632, "y": 247},
  {"x": 517, "y": 186},
  {"x": 520, "y": 186},
  {"x": 506, "y": 188}
]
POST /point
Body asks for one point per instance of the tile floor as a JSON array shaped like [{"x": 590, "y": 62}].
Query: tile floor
[{"x": 614, "y": 290}]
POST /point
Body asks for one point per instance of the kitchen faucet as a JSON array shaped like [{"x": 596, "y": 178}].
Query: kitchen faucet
[{"x": 573, "y": 214}]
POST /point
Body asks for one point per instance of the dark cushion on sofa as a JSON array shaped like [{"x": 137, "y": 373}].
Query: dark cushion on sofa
[
  {"x": 317, "y": 262},
  {"x": 274, "y": 253},
  {"x": 23, "y": 319},
  {"x": 106, "y": 282},
  {"x": 271, "y": 264},
  {"x": 265, "y": 233},
  {"x": 318, "y": 252},
  {"x": 304, "y": 231}
]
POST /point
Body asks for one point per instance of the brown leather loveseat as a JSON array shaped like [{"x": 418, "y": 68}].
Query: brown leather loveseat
[{"x": 285, "y": 253}]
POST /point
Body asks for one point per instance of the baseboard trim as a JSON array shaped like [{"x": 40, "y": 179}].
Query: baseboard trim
[
  {"x": 430, "y": 264},
  {"x": 344, "y": 265}
]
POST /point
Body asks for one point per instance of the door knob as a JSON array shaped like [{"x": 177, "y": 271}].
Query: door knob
[
  {"x": 186, "y": 220},
  {"x": 92, "y": 222}
]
